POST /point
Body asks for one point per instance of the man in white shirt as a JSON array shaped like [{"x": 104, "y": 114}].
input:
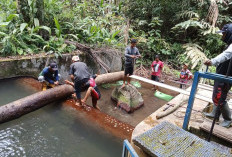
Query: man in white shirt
[{"x": 221, "y": 89}]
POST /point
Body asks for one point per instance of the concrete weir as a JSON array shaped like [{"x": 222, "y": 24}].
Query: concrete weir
[
  {"x": 197, "y": 122},
  {"x": 33, "y": 65}
]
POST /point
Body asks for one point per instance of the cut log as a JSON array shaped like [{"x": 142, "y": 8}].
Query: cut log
[
  {"x": 109, "y": 77},
  {"x": 35, "y": 101}
]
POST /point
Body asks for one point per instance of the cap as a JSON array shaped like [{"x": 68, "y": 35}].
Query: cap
[
  {"x": 226, "y": 28},
  {"x": 157, "y": 56},
  {"x": 186, "y": 64},
  {"x": 133, "y": 41},
  {"x": 75, "y": 58},
  {"x": 53, "y": 66}
]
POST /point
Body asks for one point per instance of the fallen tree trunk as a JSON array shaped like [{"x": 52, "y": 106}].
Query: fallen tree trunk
[
  {"x": 35, "y": 101},
  {"x": 91, "y": 52},
  {"x": 109, "y": 77}
]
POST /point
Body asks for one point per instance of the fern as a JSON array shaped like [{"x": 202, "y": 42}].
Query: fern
[
  {"x": 187, "y": 15},
  {"x": 189, "y": 23},
  {"x": 195, "y": 53}
]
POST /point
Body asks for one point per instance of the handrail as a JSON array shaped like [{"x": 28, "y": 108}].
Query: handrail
[{"x": 128, "y": 148}]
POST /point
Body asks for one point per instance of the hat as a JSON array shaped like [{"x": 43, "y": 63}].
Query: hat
[
  {"x": 53, "y": 66},
  {"x": 133, "y": 41},
  {"x": 157, "y": 56},
  {"x": 75, "y": 58},
  {"x": 186, "y": 64},
  {"x": 226, "y": 28}
]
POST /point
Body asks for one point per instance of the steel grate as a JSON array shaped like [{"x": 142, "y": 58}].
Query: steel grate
[{"x": 167, "y": 139}]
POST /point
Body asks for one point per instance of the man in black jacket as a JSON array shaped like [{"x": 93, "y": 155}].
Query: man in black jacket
[{"x": 221, "y": 89}]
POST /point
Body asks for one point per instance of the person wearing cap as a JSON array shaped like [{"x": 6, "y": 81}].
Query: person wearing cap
[
  {"x": 185, "y": 76},
  {"x": 221, "y": 89},
  {"x": 49, "y": 76},
  {"x": 80, "y": 75},
  {"x": 156, "y": 68},
  {"x": 131, "y": 54},
  {"x": 92, "y": 90}
]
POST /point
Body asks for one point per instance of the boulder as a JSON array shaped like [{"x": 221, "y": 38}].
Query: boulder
[{"x": 128, "y": 98}]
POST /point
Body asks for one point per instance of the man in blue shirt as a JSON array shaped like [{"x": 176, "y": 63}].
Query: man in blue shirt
[
  {"x": 131, "y": 53},
  {"x": 49, "y": 76}
]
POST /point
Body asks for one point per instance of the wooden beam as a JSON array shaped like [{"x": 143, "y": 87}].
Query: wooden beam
[
  {"x": 179, "y": 90},
  {"x": 219, "y": 131},
  {"x": 206, "y": 87}
]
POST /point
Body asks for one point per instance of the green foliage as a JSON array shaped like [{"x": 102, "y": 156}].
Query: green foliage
[
  {"x": 161, "y": 27},
  {"x": 195, "y": 53},
  {"x": 93, "y": 22}
]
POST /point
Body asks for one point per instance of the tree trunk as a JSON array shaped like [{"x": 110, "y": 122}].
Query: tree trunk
[
  {"x": 35, "y": 101},
  {"x": 92, "y": 53},
  {"x": 23, "y": 8},
  {"x": 109, "y": 77},
  {"x": 40, "y": 17}
]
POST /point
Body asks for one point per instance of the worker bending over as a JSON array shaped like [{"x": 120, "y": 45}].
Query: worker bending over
[
  {"x": 80, "y": 75},
  {"x": 91, "y": 90}
]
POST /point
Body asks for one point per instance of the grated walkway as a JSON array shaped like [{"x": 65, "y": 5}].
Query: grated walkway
[{"x": 167, "y": 139}]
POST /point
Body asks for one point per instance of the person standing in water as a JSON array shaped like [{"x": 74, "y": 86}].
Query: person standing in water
[{"x": 131, "y": 54}]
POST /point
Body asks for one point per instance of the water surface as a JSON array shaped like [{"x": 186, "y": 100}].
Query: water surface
[{"x": 55, "y": 130}]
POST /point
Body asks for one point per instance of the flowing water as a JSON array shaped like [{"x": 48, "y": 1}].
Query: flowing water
[{"x": 55, "y": 130}]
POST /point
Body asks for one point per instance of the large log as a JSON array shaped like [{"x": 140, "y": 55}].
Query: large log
[
  {"x": 35, "y": 101},
  {"x": 109, "y": 77}
]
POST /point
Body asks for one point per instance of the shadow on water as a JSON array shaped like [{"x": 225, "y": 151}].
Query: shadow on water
[{"x": 54, "y": 130}]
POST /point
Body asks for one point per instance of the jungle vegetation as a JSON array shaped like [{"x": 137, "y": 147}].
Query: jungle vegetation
[{"x": 177, "y": 30}]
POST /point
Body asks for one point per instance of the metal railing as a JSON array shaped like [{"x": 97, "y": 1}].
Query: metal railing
[{"x": 128, "y": 150}]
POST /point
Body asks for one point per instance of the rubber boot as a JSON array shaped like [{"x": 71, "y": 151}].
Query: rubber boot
[
  {"x": 226, "y": 114},
  {"x": 213, "y": 113},
  {"x": 44, "y": 86}
]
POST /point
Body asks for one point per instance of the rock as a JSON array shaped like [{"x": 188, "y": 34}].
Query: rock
[{"x": 128, "y": 98}]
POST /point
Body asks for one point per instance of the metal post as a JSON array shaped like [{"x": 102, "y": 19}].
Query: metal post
[
  {"x": 191, "y": 101},
  {"x": 214, "y": 121},
  {"x": 127, "y": 148}
]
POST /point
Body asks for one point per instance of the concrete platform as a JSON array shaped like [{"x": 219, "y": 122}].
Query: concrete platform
[{"x": 177, "y": 117}]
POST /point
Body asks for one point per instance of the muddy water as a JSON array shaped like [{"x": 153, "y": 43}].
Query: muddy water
[{"x": 55, "y": 130}]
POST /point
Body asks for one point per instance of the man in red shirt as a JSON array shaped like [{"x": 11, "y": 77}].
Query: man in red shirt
[{"x": 156, "y": 68}]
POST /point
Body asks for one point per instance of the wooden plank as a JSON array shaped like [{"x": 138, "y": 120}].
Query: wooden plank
[
  {"x": 206, "y": 87},
  {"x": 179, "y": 90},
  {"x": 219, "y": 131}
]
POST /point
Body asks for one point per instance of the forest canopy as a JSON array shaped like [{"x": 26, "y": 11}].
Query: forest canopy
[{"x": 175, "y": 29}]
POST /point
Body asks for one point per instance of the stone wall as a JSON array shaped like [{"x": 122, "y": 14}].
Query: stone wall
[{"x": 32, "y": 66}]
